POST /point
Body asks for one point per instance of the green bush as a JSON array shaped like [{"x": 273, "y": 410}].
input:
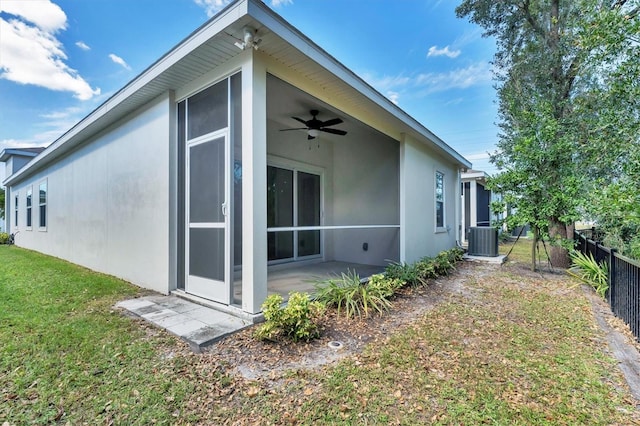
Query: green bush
[
  {"x": 298, "y": 320},
  {"x": 347, "y": 293},
  {"x": 404, "y": 272},
  {"x": 586, "y": 269},
  {"x": 4, "y": 238}
]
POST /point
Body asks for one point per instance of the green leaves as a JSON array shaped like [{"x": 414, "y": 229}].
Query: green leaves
[
  {"x": 568, "y": 83},
  {"x": 297, "y": 320},
  {"x": 586, "y": 269}
]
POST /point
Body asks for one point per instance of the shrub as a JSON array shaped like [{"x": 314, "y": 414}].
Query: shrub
[
  {"x": 298, "y": 320},
  {"x": 4, "y": 238},
  {"x": 404, "y": 272},
  {"x": 586, "y": 269},
  {"x": 356, "y": 298}
]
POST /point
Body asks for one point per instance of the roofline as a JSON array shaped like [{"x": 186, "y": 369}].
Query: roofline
[
  {"x": 8, "y": 152},
  {"x": 231, "y": 13}
]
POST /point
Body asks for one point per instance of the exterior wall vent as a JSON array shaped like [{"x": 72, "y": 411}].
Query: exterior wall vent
[{"x": 483, "y": 241}]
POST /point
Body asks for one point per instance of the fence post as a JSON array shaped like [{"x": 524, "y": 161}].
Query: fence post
[{"x": 612, "y": 278}]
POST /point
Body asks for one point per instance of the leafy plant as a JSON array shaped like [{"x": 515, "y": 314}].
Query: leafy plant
[
  {"x": 404, "y": 272},
  {"x": 357, "y": 298},
  {"x": 586, "y": 269},
  {"x": 4, "y": 238},
  {"x": 297, "y": 320}
]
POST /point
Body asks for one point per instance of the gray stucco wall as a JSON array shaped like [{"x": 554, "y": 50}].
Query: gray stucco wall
[
  {"x": 108, "y": 202},
  {"x": 421, "y": 238}
]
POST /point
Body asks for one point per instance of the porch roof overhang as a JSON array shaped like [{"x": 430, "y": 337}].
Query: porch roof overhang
[
  {"x": 477, "y": 175},
  {"x": 214, "y": 44}
]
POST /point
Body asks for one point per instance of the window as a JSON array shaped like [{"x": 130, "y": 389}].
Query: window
[
  {"x": 15, "y": 207},
  {"x": 29, "y": 192},
  {"x": 439, "y": 200},
  {"x": 293, "y": 200},
  {"x": 43, "y": 204}
]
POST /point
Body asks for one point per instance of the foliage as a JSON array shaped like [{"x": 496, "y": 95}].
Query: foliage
[
  {"x": 405, "y": 272},
  {"x": 4, "y": 238},
  {"x": 567, "y": 79},
  {"x": 586, "y": 269},
  {"x": 425, "y": 269},
  {"x": 356, "y": 298},
  {"x": 297, "y": 320}
]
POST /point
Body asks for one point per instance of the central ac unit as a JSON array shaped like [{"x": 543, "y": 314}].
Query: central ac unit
[{"x": 483, "y": 241}]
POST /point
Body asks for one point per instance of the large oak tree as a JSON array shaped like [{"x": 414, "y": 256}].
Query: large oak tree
[{"x": 554, "y": 60}]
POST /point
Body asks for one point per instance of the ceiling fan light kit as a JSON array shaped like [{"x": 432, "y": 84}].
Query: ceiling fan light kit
[{"x": 314, "y": 126}]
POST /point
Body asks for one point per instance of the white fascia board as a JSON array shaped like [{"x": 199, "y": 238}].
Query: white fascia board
[
  {"x": 298, "y": 40},
  {"x": 75, "y": 135}
]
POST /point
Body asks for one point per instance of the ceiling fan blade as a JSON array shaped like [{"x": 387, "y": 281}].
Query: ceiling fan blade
[
  {"x": 332, "y": 122},
  {"x": 300, "y": 120},
  {"x": 297, "y": 128},
  {"x": 334, "y": 131}
]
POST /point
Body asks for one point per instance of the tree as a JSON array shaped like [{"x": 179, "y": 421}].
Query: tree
[{"x": 549, "y": 66}]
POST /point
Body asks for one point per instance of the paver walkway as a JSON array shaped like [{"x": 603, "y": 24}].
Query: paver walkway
[{"x": 198, "y": 325}]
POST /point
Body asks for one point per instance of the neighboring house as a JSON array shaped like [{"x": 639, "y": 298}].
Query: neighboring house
[
  {"x": 476, "y": 202},
  {"x": 183, "y": 181},
  {"x": 14, "y": 159}
]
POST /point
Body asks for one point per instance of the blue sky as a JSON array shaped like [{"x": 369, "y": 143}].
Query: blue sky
[{"x": 60, "y": 59}]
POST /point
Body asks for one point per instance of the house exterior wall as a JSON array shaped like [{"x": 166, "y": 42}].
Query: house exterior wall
[
  {"x": 419, "y": 234},
  {"x": 108, "y": 202},
  {"x": 365, "y": 187}
]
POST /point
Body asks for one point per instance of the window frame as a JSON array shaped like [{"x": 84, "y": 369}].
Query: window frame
[
  {"x": 29, "y": 208},
  {"x": 295, "y": 167},
  {"x": 16, "y": 203},
  {"x": 440, "y": 198},
  {"x": 42, "y": 219}
]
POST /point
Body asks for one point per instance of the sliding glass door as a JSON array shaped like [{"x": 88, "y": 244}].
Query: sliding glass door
[{"x": 293, "y": 204}]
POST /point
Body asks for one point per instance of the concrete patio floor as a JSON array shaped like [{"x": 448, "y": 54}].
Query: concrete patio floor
[{"x": 198, "y": 325}]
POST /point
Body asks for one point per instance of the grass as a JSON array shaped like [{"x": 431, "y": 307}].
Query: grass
[
  {"x": 67, "y": 356},
  {"x": 514, "y": 348}
]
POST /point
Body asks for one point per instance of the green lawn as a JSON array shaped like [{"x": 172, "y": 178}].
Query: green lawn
[
  {"x": 514, "y": 348},
  {"x": 67, "y": 355}
]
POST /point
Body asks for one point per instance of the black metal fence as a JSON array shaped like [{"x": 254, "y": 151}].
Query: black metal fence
[{"x": 624, "y": 278}]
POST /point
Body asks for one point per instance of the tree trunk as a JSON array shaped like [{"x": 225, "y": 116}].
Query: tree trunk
[
  {"x": 559, "y": 256},
  {"x": 534, "y": 246}
]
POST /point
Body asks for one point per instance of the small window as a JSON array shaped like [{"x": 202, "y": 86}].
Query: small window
[
  {"x": 440, "y": 200},
  {"x": 15, "y": 207},
  {"x": 29, "y": 200},
  {"x": 43, "y": 204}
]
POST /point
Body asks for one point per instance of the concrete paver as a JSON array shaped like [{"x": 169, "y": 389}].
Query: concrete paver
[{"x": 198, "y": 325}]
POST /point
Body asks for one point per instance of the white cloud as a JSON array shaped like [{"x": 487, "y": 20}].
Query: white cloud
[
  {"x": 460, "y": 78},
  {"x": 31, "y": 53},
  {"x": 434, "y": 51},
  {"x": 478, "y": 156},
  {"x": 418, "y": 85},
  {"x": 278, "y": 3},
  {"x": 118, "y": 60},
  {"x": 54, "y": 125},
  {"x": 393, "y": 96},
  {"x": 82, "y": 45},
  {"x": 44, "y": 14},
  {"x": 212, "y": 6}
]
